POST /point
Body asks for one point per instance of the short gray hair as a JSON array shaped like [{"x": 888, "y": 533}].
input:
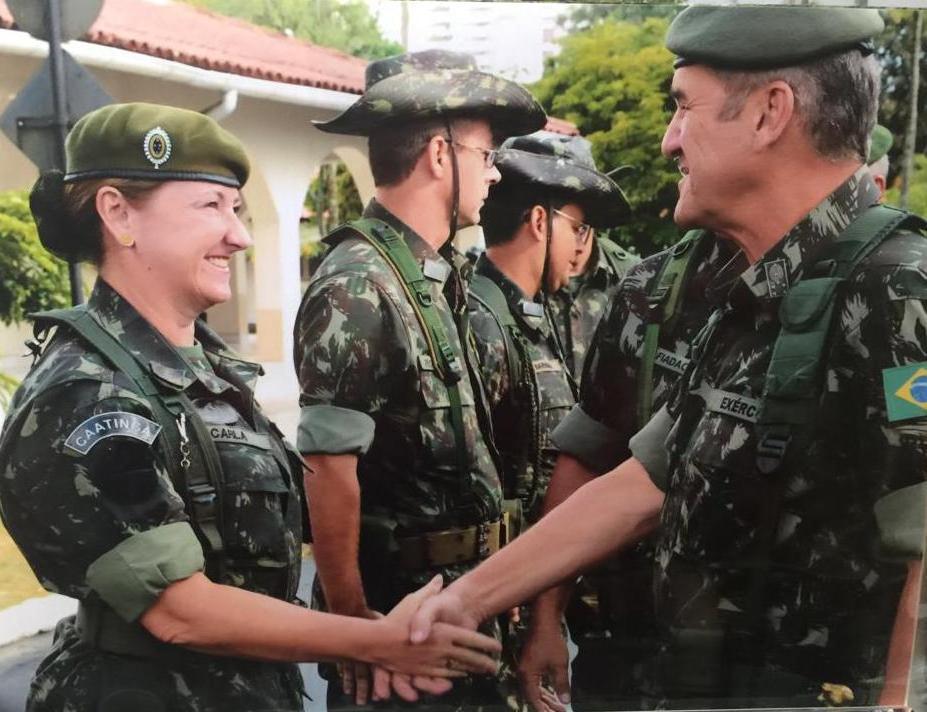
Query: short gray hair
[{"x": 837, "y": 99}]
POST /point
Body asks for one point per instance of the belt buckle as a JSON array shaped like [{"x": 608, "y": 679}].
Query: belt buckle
[{"x": 482, "y": 540}]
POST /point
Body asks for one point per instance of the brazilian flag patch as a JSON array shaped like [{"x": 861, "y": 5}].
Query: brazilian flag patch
[{"x": 905, "y": 391}]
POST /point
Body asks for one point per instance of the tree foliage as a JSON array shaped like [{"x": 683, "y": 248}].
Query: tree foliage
[
  {"x": 895, "y": 52},
  {"x": 31, "y": 279},
  {"x": 917, "y": 190},
  {"x": 347, "y": 25},
  {"x": 612, "y": 80}
]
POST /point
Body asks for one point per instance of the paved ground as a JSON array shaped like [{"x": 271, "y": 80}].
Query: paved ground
[{"x": 19, "y": 660}]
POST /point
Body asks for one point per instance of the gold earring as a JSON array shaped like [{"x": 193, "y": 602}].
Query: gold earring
[{"x": 125, "y": 240}]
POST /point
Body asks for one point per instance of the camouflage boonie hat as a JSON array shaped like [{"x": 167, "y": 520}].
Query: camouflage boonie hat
[
  {"x": 563, "y": 165},
  {"x": 423, "y": 85},
  {"x": 880, "y": 141},
  {"x": 154, "y": 142},
  {"x": 768, "y": 37}
]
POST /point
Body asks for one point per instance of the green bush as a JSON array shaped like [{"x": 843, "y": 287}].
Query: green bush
[{"x": 31, "y": 279}]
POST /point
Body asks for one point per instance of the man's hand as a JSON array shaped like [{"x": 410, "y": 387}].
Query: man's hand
[
  {"x": 543, "y": 665},
  {"x": 445, "y": 607},
  {"x": 357, "y": 677}
]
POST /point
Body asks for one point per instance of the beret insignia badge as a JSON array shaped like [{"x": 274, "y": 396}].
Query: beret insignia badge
[{"x": 157, "y": 146}]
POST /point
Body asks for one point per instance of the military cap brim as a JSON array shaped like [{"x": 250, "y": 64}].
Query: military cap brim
[
  {"x": 602, "y": 199},
  {"x": 768, "y": 37},
  {"x": 510, "y": 109},
  {"x": 154, "y": 142}
]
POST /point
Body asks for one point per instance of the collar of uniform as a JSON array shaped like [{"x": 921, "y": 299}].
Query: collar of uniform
[
  {"x": 224, "y": 359},
  {"x": 434, "y": 265},
  {"x": 120, "y": 319},
  {"x": 770, "y": 277},
  {"x": 598, "y": 271},
  {"x": 514, "y": 296}
]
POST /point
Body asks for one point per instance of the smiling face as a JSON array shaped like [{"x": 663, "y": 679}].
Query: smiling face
[
  {"x": 712, "y": 154},
  {"x": 185, "y": 234}
]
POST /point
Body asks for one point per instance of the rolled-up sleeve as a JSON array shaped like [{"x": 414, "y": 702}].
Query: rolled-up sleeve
[
  {"x": 334, "y": 431},
  {"x": 596, "y": 445},
  {"x": 131, "y": 576},
  {"x": 649, "y": 446},
  {"x": 347, "y": 356}
]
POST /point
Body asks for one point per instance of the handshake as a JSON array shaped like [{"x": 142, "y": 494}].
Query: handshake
[
  {"x": 426, "y": 641},
  {"x": 432, "y": 639}
]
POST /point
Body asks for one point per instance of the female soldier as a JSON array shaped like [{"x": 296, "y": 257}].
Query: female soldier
[{"x": 140, "y": 477}]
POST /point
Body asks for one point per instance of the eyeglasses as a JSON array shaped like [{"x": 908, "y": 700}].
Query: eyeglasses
[
  {"x": 489, "y": 154},
  {"x": 581, "y": 231}
]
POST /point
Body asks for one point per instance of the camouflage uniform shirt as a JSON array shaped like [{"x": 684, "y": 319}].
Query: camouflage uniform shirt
[
  {"x": 526, "y": 406},
  {"x": 622, "y": 632},
  {"x": 778, "y": 584},
  {"x": 88, "y": 494},
  {"x": 577, "y": 308},
  {"x": 598, "y": 429},
  {"x": 368, "y": 387}
]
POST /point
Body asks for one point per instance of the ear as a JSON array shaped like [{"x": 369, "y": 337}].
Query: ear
[
  {"x": 114, "y": 211},
  {"x": 436, "y": 156},
  {"x": 773, "y": 112},
  {"x": 880, "y": 183},
  {"x": 537, "y": 223}
]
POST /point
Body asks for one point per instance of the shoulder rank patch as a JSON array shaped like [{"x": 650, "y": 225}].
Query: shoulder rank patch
[
  {"x": 106, "y": 425},
  {"x": 905, "y": 391}
]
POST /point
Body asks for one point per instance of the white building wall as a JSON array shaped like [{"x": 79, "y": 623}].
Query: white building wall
[{"x": 510, "y": 39}]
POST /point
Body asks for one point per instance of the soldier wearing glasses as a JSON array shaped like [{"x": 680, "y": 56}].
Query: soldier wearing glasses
[
  {"x": 394, "y": 425},
  {"x": 577, "y": 308},
  {"x": 535, "y": 222}
]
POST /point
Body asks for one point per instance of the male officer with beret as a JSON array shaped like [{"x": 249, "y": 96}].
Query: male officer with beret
[
  {"x": 785, "y": 475},
  {"x": 394, "y": 425}
]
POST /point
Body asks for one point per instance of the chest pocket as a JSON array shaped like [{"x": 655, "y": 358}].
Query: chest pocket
[
  {"x": 259, "y": 505},
  {"x": 436, "y": 425}
]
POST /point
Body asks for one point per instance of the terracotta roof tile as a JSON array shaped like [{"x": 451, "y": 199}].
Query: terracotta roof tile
[{"x": 190, "y": 35}]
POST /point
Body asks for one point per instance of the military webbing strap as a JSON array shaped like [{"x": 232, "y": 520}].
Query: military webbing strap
[
  {"x": 663, "y": 300},
  {"x": 393, "y": 248},
  {"x": 615, "y": 255},
  {"x": 487, "y": 293},
  {"x": 793, "y": 379},
  {"x": 200, "y": 488},
  {"x": 521, "y": 371}
]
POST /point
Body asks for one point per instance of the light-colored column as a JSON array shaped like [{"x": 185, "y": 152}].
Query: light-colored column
[{"x": 285, "y": 153}]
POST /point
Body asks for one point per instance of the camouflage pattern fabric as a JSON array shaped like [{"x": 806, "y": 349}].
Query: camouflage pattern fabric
[
  {"x": 431, "y": 83},
  {"x": 66, "y": 509},
  {"x": 577, "y": 308},
  {"x": 511, "y": 401},
  {"x": 359, "y": 347},
  {"x": 611, "y": 618},
  {"x": 771, "y": 613}
]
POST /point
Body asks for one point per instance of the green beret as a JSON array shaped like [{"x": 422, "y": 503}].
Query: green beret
[
  {"x": 563, "y": 165},
  {"x": 154, "y": 142},
  {"x": 768, "y": 37},
  {"x": 880, "y": 140},
  {"x": 433, "y": 83}
]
